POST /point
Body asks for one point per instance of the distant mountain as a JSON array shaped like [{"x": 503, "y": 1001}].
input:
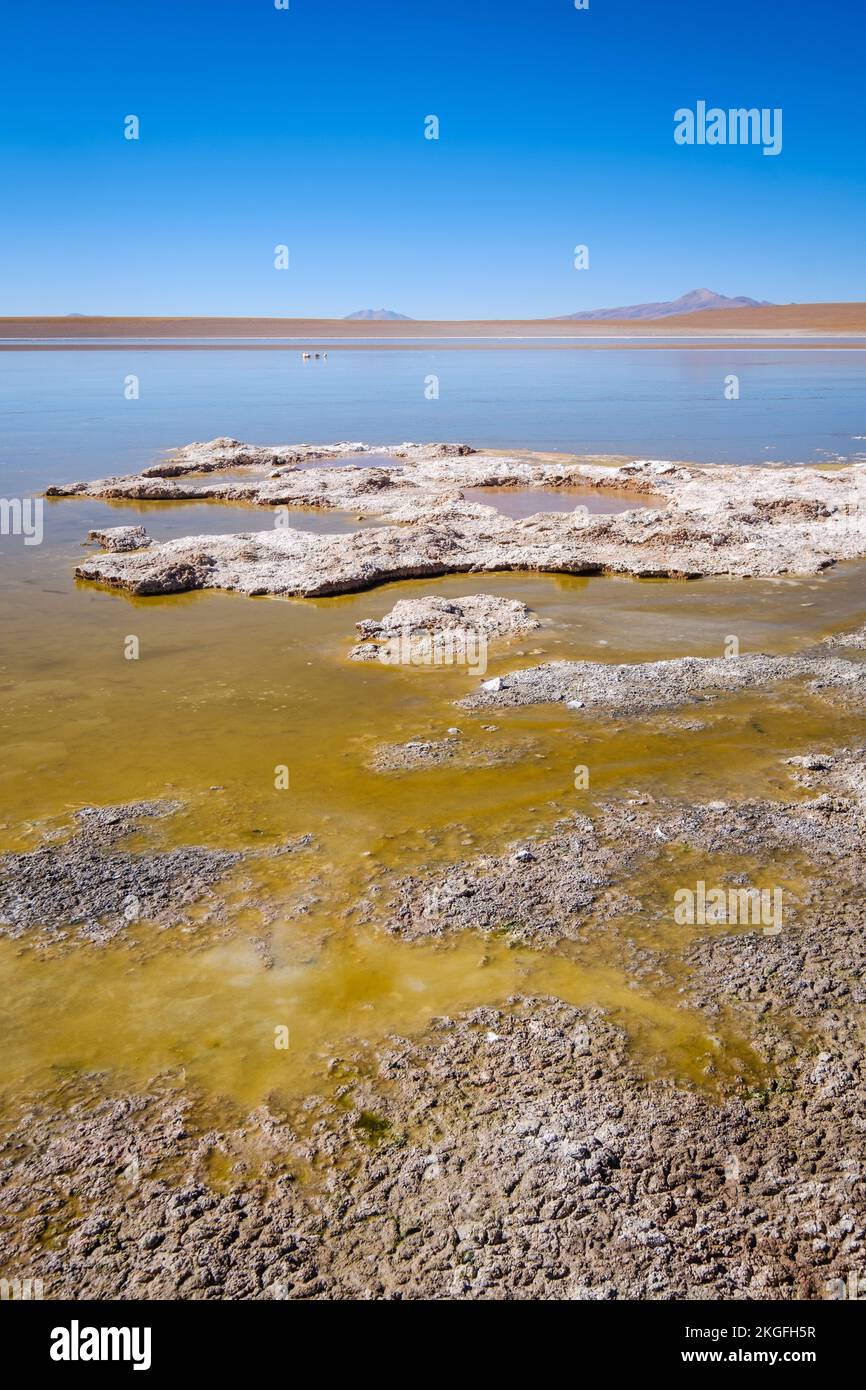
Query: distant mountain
[
  {"x": 378, "y": 314},
  {"x": 691, "y": 303}
]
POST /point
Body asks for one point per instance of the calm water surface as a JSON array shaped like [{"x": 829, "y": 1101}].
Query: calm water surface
[
  {"x": 227, "y": 688},
  {"x": 63, "y": 415}
]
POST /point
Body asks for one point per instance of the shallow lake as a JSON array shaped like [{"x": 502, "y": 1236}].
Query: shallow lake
[
  {"x": 63, "y": 414},
  {"x": 227, "y": 688}
]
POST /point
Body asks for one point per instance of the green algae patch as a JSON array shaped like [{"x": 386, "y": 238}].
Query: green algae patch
[{"x": 373, "y": 1128}]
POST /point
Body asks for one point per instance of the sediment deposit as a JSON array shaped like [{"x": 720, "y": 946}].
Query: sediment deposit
[
  {"x": 527, "y": 1150},
  {"x": 715, "y": 520},
  {"x": 514, "y": 1152},
  {"x": 641, "y": 688},
  {"x": 431, "y": 630}
]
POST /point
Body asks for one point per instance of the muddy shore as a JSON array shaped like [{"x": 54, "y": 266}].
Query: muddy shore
[
  {"x": 530, "y": 1150},
  {"x": 518, "y": 1152},
  {"x": 766, "y": 320}
]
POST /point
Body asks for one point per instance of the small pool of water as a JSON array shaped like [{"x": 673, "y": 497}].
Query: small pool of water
[
  {"x": 68, "y": 523},
  {"x": 356, "y": 461},
  {"x": 526, "y": 501}
]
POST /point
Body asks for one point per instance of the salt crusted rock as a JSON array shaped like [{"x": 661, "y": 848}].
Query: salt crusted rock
[
  {"x": 740, "y": 521},
  {"x": 121, "y": 538},
  {"x": 434, "y": 630}
]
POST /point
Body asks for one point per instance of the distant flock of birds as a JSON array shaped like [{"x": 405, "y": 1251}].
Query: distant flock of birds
[{"x": 307, "y": 355}]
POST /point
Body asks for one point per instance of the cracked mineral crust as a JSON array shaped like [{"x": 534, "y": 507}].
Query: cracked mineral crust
[
  {"x": 433, "y": 630},
  {"x": 710, "y": 520}
]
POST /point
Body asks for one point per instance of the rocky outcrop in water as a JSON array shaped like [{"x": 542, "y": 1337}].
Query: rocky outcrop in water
[
  {"x": 121, "y": 538},
  {"x": 727, "y": 520},
  {"x": 435, "y": 631},
  {"x": 640, "y": 688}
]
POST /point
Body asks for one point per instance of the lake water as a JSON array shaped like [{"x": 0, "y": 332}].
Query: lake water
[
  {"x": 228, "y": 688},
  {"x": 63, "y": 414}
]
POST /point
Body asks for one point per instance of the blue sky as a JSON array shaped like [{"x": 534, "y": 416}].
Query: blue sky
[{"x": 305, "y": 127}]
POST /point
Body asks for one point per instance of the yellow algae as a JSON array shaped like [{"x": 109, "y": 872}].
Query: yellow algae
[
  {"x": 220, "y": 1013},
  {"x": 227, "y": 691}
]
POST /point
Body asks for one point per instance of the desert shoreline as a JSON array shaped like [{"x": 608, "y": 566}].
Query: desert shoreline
[
  {"x": 810, "y": 321},
  {"x": 305, "y": 345}
]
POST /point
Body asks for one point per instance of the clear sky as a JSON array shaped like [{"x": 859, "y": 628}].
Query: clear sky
[{"x": 305, "y": 127}]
